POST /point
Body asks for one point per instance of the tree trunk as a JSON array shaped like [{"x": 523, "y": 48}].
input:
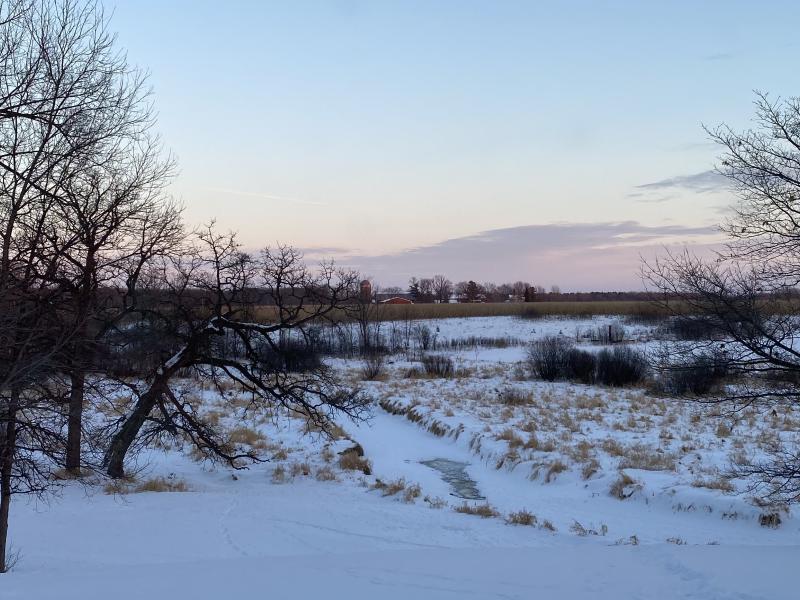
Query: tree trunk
[
  {"x": 75, "y": 422},
  {"x": 8, "y": 442},
  {"x": 121, "y": 443}
]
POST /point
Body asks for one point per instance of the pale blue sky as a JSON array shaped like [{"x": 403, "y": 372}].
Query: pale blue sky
[{"x": 391, "y": 126}]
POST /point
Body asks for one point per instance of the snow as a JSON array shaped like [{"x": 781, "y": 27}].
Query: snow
[{"x": 251, "y": 533}]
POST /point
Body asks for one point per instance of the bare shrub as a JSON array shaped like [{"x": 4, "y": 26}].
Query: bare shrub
[
  {"x": 438, "y": 365},
  {"x": 547, "y": 357},
  {"x": 698, "y": 375},
  {"x": 621, "y": 366},
  {"x": 580, "y": 366},
  {"x": 372, "y": 367}
]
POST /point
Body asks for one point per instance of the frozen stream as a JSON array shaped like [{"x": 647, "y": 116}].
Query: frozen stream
[{"x": 454, "y": 473}]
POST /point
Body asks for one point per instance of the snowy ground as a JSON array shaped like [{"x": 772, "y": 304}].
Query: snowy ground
[{"x": 301, "y": 526}]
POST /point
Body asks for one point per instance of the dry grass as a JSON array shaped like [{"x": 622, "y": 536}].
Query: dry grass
[
  {"x": 279, "y": 474},
  {"x": 350, "y": 461},
  {"x": 435, "y": 502},
  {"x": 397, "y": 312},
  {"x": 248, "y": 437},
  {"x": 302, "y": 468},
  {"x": 548, "y": 525},
  {"x": 522, "y": 517},
  {"x": 645, "y": 458},
  {"x": 154, "y": 484},
  {"x": 510, "y": 436},
  {"x": 553, "y": 470},
  {"x": 623, "y": 487},
  {"x": 484, "y": 511},
  {"x": 582, "y": 531},
  {"x": 719, "y": 483},
  {"x": 389, "y": 488},
  {"x": 325, "y": 473},
  {"x": 411, "y": 493},
  {"x": 162, "y": 484}
]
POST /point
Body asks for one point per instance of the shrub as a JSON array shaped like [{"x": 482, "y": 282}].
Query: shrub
[
  {"x": 609, "y": 334},
  {"x": 372, "y": 367},
  {"x": 620, "y": 366},
  {"x": 692, "y": 328},
  {"x": 424, "y": 336},
  {"x": 580, "y": 365},
  {"x": 547, "y": 357},
  {"x": 436, "y": 365},
  {"x": 698, "y": 375}
]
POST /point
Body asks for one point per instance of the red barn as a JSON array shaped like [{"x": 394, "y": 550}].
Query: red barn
[{"x": 397, "y": 300}]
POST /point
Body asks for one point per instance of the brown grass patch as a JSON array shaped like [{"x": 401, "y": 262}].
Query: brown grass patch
[{"x": 484, "y": 511}]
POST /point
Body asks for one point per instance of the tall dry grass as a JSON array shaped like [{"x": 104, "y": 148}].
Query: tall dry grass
[{"x": 395, "y": 312}]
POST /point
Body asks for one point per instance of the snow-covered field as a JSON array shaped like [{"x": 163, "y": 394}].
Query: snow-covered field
[{"x": 619, "y": 494}]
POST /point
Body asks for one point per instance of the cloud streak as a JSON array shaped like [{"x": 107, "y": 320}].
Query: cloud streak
[
  {"x": 265, "y": 196},
  {"x": 576, "y": 256},
  {"x": 706, "y": 181}
]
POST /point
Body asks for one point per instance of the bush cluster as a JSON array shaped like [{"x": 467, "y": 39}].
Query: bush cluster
[
  {"x": 437, "y": 365},
  {"x": 699, "y": 375},
  {"x": 555, "y": 358}
]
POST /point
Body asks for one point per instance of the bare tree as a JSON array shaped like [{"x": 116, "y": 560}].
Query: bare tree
[
  {"x": 207, "y": 304},
  {"x": 442, "y": 288},
  {"x": 745, "y": 296},
  {"x": 71, "y": 113}
]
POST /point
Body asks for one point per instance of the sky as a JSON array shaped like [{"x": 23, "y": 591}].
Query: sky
[{"x": 553, "y": 142}]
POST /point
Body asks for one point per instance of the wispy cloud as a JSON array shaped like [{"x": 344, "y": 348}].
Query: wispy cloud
[
  {"x": 706, "y": 181},
  {"x": 578, "y": 256},
  {"x": 719, "y": 56},
  {"x": 325, "y": 251},
  {"x": 264, "y": 196}
]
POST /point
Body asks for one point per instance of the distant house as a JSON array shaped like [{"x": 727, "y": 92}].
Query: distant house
[
  {"x": 397, "y": 300},
  {"x": 384, "y": 297}
]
